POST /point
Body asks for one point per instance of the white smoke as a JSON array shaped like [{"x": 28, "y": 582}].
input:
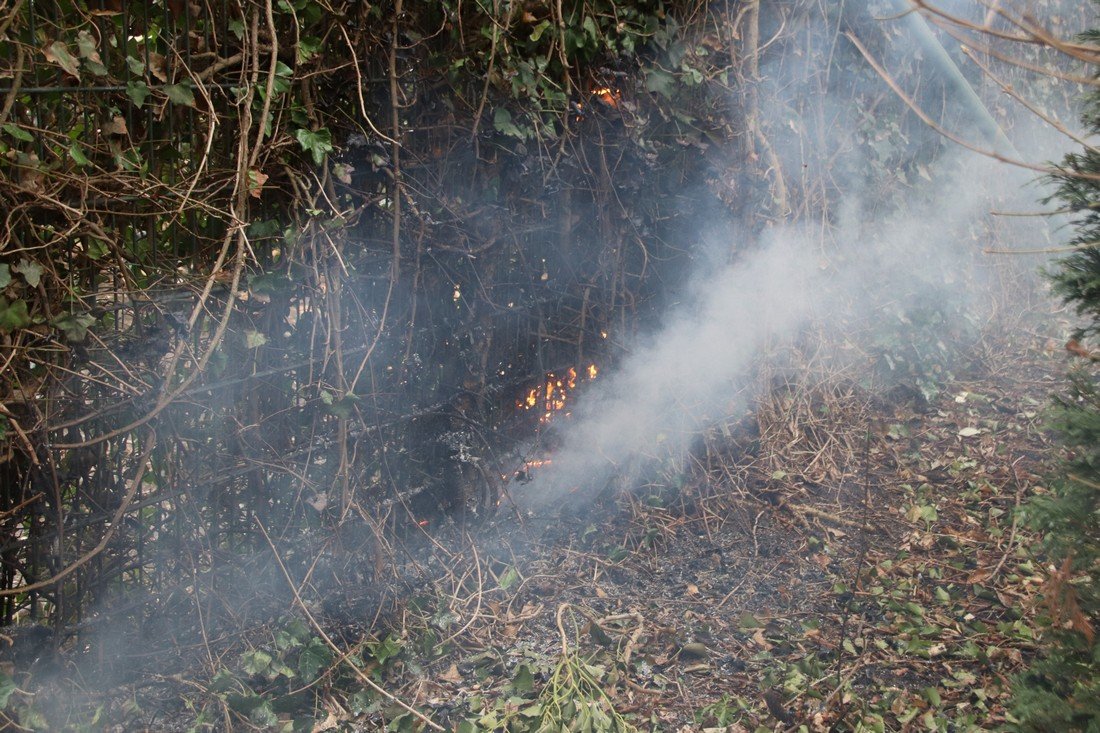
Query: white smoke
[{"x": 693, "y": 369}]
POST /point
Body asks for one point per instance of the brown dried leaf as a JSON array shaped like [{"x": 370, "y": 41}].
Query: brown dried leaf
[
  {"x": 117, "y": 126},
  {"x": 256, "y": 181},
  {"x": 978, "y": 576},
  {"x": 157, "y": 66},
  {"x": 58, "y": 53},
  {"x": 452, "y": 674}
]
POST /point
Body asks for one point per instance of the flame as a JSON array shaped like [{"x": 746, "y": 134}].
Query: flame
[
  {"x": 608, "y": 96},
  {"x": 552, "y": 396}
]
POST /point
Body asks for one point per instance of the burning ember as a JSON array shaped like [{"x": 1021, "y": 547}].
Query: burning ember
[
  {"x": 608, "y": 96},
  {"x": 523, "y": 475},
  {"x": 552, "y": 396}
]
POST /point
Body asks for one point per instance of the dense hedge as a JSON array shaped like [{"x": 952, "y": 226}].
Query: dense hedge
[{"x": 1061, "y": 691}]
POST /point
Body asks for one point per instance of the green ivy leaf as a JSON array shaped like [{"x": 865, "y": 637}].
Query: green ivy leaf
[
  {"x": 308, "y": 47},
  {"x": 660, "y": 82},
  {"x": 524, "y": 681},
  {"x": 509, "y": 578},
  {"x": 180, "y": 93},
  {"x": 538, "y": 30},
  {"x": 13, "y": 316},
  {"x": 315, "y": 657},
  {"x": 263, "y": 715},
  {"x": 18, "y": 132},
  {"x": 137, "y": 91},
  {"x": 386, "y": 649},
  {"x": 30, "y": 270},
  {"x": 255, "y": 662},
  {"x": 589, "y": 26},
  {"x": 97, "y": 249},
  {"x": 222, "y": 681},
  {"x": 74, "y": 325},
  {"x": 502, "y": 121},
  {"x": 318, "y": 142},
  {"x": 5, "y": 276},
  {"x": 254, "y": 339},
  {"x": 89, "y": 51},
  {"x": 77, "y": 154}
]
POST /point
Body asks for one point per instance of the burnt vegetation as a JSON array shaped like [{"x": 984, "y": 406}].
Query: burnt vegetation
[{"x": 296, "y": 296}]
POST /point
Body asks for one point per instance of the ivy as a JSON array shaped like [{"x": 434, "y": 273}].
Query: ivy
[
  {"x": 13, "y": 315},
  {"x": 317, "y": 142}
]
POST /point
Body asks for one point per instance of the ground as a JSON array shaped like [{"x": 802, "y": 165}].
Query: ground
[{"x": 831, "y": 558}]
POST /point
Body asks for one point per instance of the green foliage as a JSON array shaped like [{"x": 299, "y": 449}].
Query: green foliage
[
  {"x": 317, "y": 142},
  {"x": 573, "y": 698},
  {"x": 1061, "y": 691}
]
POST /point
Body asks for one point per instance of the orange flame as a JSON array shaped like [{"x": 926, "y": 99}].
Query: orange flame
[
  {"x": 608, "y": 96},
  {"x": 553, "y": 394}
]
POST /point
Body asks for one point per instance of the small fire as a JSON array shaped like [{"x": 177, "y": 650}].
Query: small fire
[
  {"x": 523, "y": 475},
  {"x": 552, "y": 396},
  {"x": 608, "y": 96}
]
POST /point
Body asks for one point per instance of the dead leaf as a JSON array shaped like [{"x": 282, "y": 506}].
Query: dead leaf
[
  {"x": 978, "y": 576},
  {"x": 87, "y": 44},
  {"x": 330, "y": 722},
  {"x": 58, "y": 53},
  {"x": 30, "y": 177},
  {"x": 758, "y": 637},
  {"x": 1074, "y": 347},
  {"x": 157, "y": 66},
  {"x": 256, "y": 181},
  {"x": 117, "y": 126},
  {"x": 452, "y": 674},
  {"x": 342, "y": 172},
  {"x": 692, "y": 589}
]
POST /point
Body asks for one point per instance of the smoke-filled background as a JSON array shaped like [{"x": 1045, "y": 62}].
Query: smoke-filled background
[
  {"x": 878, "y": 252},
  {"x": 290, "y": 299}
]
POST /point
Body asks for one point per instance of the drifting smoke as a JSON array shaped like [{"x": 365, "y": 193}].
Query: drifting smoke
[{"x": 861, "y": 265}]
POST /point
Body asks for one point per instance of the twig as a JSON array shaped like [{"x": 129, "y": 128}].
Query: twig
[
  {"x": 135, "y": 484},
  {"x": 926, "y": 119}
]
